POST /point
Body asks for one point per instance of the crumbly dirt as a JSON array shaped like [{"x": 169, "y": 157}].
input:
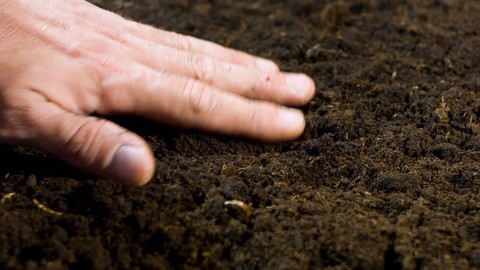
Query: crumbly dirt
[{"x": 386, "y": 176}]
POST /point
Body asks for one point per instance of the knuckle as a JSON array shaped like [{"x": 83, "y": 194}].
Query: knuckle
[
  {"x": 180, "y": 42},
  {"x": 186, "y": 42},
  {"x": 238, "y": 57},
  {"x": 113, "y": 33},
  {"x": 260, "y": 86},
  {"x": 85, "y": 139},
  {"x": 16, "y": 124},
  {"x": 251, "y": 118},
  {"x": 201, "y": 100},
  {"x": 258, "y": 114},
  {"x": 266, "y": 80},
  {"x": 18, "y": 119},
  {"x": 106, "y": 63},
  {"x": 205, "y": 68}
]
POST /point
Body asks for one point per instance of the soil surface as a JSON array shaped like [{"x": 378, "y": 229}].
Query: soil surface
[{"x": 386, "y": 176}]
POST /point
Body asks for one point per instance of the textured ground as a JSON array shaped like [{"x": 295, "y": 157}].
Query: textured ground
[{"x": 387, "y": 174}]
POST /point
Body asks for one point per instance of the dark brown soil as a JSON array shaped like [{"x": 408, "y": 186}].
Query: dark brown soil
[{"x": 387, "y": 174}]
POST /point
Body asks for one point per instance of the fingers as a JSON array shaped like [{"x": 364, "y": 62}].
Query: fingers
[
  {"x": 224, "y": 68},
  {"x": 97, "y": 146},
  {"x": 283, "y": 88},
  {"x": 191, "y": 103},
  {"x": 198, "y": 46}
]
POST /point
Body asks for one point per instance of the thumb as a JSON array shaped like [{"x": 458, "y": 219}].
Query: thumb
[{"x": 95, "y": 145}]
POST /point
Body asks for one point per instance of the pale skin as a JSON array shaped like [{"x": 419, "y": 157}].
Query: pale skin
[{"x": 63, "y": 60}]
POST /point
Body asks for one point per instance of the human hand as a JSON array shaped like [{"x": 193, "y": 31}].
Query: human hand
[{"x": 62, "y": 61}]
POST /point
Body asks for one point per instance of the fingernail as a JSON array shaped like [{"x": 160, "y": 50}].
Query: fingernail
[
  {"x": 127, "y": 164},
  {"x": 266, "y": 66},
  {"x": 291, "y": 118},
  {"x": 299, "y": 84}
]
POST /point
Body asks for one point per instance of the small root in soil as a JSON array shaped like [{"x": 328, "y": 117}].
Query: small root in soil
[
  {"x": 6, "y": 197},
  {"x": 46, "y": 209},
  {"x": 245, "y": 207}
]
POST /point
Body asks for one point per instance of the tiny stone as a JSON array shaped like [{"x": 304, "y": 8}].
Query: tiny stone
[{"x": 31, "y": 180}]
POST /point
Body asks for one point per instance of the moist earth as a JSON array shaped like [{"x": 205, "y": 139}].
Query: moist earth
[{"x": 386, "y": 175}]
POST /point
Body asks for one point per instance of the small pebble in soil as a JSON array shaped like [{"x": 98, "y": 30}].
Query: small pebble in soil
[{"x": 31, "y": 181}]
